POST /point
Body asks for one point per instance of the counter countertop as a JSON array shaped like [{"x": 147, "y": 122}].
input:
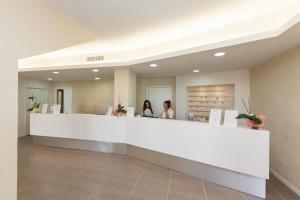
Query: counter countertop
[{"x": 156, "y": 118}]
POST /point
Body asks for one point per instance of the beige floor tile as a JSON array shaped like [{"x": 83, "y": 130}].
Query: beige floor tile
[
  {"x": 70, "y": 192},
  {"x": 130, "y": 171},
  {"x": 107, "y": 196},
  {"x": 38, "y": 191},
  {"x": 185, "y": 187},
  {"x": 272, "y": 194},
  {"x": 113, "y": 189},
  {"x": 250, "y": 197},
  {"x": 217, "y": 192},
  {"x": 24, "y": 182},
  {"x": 286, "y": 193},
  {"x": 152, "y": 185},
  {"x": 31, "y": 195},
  {"x": 156, "y": 174},
  {"x": 46, "y": 173}
]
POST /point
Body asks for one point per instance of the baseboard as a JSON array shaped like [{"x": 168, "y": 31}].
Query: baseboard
[{"x": 285, "y": 182}]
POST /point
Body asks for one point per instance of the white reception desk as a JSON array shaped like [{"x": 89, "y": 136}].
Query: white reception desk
[{"x": 240, "y": 150}]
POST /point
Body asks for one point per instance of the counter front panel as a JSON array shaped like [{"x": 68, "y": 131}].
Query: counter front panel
[{"x": 238, "y": 149}]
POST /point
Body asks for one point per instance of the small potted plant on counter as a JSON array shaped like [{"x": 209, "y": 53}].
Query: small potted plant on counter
[
  {"x": 119, "y": 111},
  {"x": 35, "y": 106},
  {"x": 254, "y": 121}
]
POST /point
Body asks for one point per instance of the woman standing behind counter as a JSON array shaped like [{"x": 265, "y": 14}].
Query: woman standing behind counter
[
  {"x": 168, "y": 113},
  {"x": 147, "y": 109}
]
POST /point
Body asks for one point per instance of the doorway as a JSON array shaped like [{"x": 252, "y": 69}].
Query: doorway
[
  {"x": 157, "y": 95},
  {"x": 60, "y": 99}
]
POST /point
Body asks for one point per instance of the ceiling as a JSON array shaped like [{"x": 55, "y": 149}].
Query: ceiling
[
  {"x": 117, "y": 21},
  {"x": 243, "y": 56},
  {"x": 177, "y": 35},
  {"x": 70, "y": 74}
]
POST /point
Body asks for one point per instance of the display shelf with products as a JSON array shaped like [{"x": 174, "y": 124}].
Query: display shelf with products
[{"x": 201, "y": 99}]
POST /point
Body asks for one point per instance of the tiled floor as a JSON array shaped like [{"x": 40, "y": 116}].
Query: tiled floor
[{"x": 62, "y": 174}]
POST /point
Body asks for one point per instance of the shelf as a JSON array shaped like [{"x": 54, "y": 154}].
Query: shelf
[
  {"x": 210, "y": 105},
  {"x": 203, "y": 102},
  {"x": 198, "y": 100},
  {"x": 199, "y": 110},
  {"x": 201, "y": 99},
  {"x": 214, "y": 96},
  {"x": 209, "y": 91}
]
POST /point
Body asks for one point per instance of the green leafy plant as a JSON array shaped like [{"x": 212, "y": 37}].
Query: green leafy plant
[
  {"x": 121, "y": 109},
  {"x": 34, "y": 104},
  {"x": 249, "y": 115}
]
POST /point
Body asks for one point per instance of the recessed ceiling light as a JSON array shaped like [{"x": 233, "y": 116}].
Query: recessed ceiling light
[
  {"x": 97, "y": 78},
  {"x": 153, "y": 65},
  {"x": 219, "y": 54},
  {"x": 196, "y": 70},
  {"x": 55, "y": 72},
  {"x": 49, "y": 79},
  {"x": 95, "y": 70}
]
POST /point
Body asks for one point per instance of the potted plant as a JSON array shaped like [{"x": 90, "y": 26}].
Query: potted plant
[
  {"x": 254, "y": 121},
  {"x": 34, "y": 105},
  {"x": 119, "y": 111}
]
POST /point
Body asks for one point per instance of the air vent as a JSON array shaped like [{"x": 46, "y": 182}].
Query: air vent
[{"x": 94, "y": 58}]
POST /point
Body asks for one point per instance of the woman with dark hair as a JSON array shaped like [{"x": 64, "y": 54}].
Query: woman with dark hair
[
  {"x": 168, "y": 113},
  {"x": 147, "y": 109}
]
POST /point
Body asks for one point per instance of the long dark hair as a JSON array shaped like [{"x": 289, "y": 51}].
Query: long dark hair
[
  {"x": 145, "y": 107},
  {"x": 168, "y": 102}
]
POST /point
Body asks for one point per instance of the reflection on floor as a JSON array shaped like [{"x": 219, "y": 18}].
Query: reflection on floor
[{"x": 46, "y": 173}]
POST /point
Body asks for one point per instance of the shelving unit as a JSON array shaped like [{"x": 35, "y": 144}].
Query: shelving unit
[{"x": 201, "y": 99}]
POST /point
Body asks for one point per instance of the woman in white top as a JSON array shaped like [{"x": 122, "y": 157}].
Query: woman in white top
[
  {"x": 147, "y": 109},
  {"x": 168, "y": 113}
]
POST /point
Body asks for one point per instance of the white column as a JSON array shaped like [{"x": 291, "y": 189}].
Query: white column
[{"x": 124, "y": 87}]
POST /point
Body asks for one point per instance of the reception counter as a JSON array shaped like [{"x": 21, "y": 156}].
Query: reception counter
[{"x": 236, "y": 157}]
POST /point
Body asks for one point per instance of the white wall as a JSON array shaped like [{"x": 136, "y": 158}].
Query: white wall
[
  {"x": 275, "y": 92},
  {"x": 124, "y": 87},
  {"x": 8, "y": 120},
  {"x": 68, "y": 95},
  {"x": 239, "y": 78},
  {"x": 92, "y": 97},
  {"x": 24, "y": 84},
  {"x": 132, "y": 89},
  {"x": 27, "y": 28},
  {"x": 144, "y": 83}
]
